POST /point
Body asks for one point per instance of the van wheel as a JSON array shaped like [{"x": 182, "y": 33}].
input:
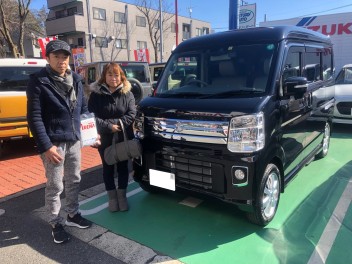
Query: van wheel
[
  {"x": 148, "y": 188},
  {"x": 325, "y": 142},
  {"x": 267, "y": 197},
  {"x": 136, "y": 89}
]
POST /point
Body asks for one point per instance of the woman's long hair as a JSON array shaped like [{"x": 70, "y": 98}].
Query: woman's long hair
[{"x": 116, "y": 69}]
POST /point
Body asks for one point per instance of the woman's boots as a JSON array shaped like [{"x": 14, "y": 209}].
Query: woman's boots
[
  {"x": 117, "y": 200},
  {"x": 113, "y": 203},
  {"x": 122, "y": 199}
]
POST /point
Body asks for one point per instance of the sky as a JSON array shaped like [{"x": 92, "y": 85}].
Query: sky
[{"x": 218, "y": 14}]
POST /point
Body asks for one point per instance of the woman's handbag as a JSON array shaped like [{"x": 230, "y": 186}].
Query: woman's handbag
[{"x": 127, "y": 149}]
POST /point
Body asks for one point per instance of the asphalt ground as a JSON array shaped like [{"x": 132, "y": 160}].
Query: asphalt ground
[{"x": 26, "y": 238}]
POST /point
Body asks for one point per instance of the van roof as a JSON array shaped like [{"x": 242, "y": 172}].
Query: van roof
[
  {"x": 22, "y": 62},
  {"x": 252, "y": 35}
]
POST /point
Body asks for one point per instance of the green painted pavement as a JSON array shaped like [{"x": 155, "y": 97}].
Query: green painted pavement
[{"x": 215, "y": 232}]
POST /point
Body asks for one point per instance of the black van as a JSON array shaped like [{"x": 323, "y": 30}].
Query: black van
[{"x": 254, "y": 110}]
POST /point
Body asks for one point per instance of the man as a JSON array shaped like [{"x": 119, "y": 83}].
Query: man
[{"x": 55, "y": 102}]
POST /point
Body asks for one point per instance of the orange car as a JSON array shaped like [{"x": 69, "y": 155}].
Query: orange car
[{"x": 14, "y": 76}]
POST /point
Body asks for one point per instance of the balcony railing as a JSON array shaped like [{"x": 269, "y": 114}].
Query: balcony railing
[
  {"x": 56, "y": 3},
  {"x": 73, "y": 23}
]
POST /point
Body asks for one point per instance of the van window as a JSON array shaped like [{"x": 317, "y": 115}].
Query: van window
[
  {"x": 292, "y": 65},
  {"x": 236, "y": 69},
  {"x": 311, "y": 68},
  {"x": 16, "y": 78}
]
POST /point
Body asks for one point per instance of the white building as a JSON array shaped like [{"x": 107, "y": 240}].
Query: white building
[{"x": 337, "y": 26}]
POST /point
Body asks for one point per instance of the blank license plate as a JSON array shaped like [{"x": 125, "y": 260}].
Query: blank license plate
[{"x": 162, "y": 179}]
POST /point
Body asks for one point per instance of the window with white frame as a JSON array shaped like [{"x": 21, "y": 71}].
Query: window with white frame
[
  {"x": 156, "y": 23},
  {"x": 141, "y": 44},
  {"x": 101, "y": 42},
  {"x": 199, "y": 31},
  {"x": 121, "y": 44},
  {"x": 173, "y": 27},
  {"x": 99, "y": 13},
  {"x": 120, "y": 17},
  {"x": 141, "y": 21}
]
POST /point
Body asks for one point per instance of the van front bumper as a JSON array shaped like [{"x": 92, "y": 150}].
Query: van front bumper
[{"x": 202, "y": 168}]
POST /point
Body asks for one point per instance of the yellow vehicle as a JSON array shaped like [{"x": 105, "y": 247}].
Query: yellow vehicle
[{"x": 14, "y": 77}]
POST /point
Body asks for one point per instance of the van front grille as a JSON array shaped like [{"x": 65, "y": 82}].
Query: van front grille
[{"x": 189, "y": 172}]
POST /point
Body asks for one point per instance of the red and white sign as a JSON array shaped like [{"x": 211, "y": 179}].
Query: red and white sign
[
  {"x": 42, "y": 43},
  {"x": 79, "y": 57},
  {"x": 141, "y": 55}
]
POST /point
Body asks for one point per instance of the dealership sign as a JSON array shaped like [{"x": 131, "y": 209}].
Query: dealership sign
[{"x": 247, "y": 16}]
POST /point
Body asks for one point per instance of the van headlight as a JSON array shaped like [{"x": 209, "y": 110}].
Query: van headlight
[
  {"x": 139, "y": 126},
  {"x": 246, "y": 133}
]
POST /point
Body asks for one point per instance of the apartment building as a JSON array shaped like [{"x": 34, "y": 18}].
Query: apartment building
[{"x": 115, "y": 30}]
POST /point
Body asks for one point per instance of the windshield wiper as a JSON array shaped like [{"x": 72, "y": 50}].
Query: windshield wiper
[
  {"x": 183, "y": 94},
  {"x": 230, "y": 93}
]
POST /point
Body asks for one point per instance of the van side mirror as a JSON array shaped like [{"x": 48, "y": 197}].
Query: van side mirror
[{"x": 295, "y": 86}]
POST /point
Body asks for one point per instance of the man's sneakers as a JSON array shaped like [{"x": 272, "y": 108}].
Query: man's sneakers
[
  {"x": 78, "y": 221},
  {"x": 59, "y": 234}
]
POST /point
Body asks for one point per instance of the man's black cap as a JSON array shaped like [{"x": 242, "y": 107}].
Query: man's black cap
[{"x": 57, "y": 45}]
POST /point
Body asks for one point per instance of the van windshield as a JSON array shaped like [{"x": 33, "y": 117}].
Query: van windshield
[
  {"x": 224, "y": 72},
  {"x": 15, "y": 78}
]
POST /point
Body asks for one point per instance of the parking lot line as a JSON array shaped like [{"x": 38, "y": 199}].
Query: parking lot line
[{"x": 327, "y": 239}]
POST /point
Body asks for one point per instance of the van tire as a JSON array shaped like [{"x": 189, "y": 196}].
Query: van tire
[
  {"x": 325, "y": 143},
  {"x": 268, "y": 196},
  {"x": 149, "y": 188},
  {"x": 136, "y": 89}
]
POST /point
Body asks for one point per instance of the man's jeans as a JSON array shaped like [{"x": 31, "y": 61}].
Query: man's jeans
[{"x": 68, "y": 173}]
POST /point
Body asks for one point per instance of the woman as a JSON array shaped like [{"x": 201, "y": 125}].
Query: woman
[{"x": 111, "y": 101}]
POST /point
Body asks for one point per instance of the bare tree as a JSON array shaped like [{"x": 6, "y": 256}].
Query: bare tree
[
  {"x": 13, "y": 15},
  {"x": 150, "y": 9},
  {"x": 116, "y": 30},
  {"x": 36, "y": 23}
]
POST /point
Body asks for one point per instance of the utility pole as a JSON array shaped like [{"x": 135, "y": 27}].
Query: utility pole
[
  {"x": 233, "y": 14},
  {"x": 90, "y": 34},
  {"x": 190, "y": 17},
  {"x": 176, "y": 22},
  {"x": 161, "y": 29},
  {"x": 127, "y": 33}
]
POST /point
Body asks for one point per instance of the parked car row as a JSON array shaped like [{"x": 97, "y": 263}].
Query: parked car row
[
  {"x": 343, "y": 96},
  {"x": 14, "y": 74}
]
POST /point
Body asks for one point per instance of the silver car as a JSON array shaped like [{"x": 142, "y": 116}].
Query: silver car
[{"x": 343, "y": 96}]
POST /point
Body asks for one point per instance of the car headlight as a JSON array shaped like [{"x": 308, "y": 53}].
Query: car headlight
[
  {"x": 246, "y": 133},
  {"x": 139, "y": 126}
]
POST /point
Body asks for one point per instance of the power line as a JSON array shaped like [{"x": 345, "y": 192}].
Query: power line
[{"x": 326, "y": 10}]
